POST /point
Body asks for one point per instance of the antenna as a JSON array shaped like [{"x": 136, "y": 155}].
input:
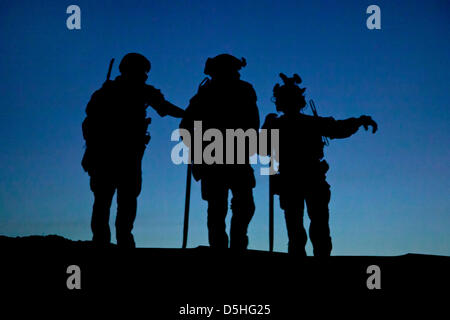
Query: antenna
[{"x": 314, "y": 111}]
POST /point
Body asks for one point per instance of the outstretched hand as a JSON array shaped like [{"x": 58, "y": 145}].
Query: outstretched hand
[{"x": 367, "y": 121}]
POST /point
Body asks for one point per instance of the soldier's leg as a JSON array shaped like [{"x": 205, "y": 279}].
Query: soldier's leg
[
  {"x": 243, "y": 207},
  {"x": 128, "y": 191},
  {"x": 216, "y": 193},
  {"x": 317, "y": 201},
  {"x": 293, "y": 206},
  {"x": 103, "y": 189}
]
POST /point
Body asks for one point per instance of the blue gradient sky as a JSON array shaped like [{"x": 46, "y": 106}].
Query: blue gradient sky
[{"x": 390, "y": 191}]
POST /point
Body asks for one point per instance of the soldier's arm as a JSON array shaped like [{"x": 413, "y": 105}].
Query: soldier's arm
[
  {"x": 255, "y": 120},
  {"x": 187, "y": 121},
  {"x": 191, "y": 113},
  {"x": 250, "y": 112},
  {"x": 171, "y": 109},
  {"x": 251, "y": 115},
  {"x": 156, "y": 100},
  {"x": 340, "y": 129}
]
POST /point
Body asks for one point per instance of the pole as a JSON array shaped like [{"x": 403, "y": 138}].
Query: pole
[
  {"x": 186, "y": 205},
  {"x": 270, "y": 214}
]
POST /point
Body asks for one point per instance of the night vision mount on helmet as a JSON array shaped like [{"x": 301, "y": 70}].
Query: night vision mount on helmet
[
  {"x": 289, "y": 91},
  {"x": 223, "y": 63}
]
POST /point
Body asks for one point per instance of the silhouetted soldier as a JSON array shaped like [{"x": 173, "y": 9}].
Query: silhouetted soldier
[
  {"x": 225, "y": 102},
  {"x": 302, "y": 172},
  {"x": 115, "y": 130}
]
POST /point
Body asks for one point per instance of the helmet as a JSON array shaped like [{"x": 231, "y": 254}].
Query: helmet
[
  {"x": 289, "y": 93},
  {"x": 223, "y": 63},
  {"x": 134, "y": 63}
]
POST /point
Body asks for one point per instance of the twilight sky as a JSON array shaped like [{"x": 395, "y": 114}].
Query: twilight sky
[{"x": 390, "y": 191}]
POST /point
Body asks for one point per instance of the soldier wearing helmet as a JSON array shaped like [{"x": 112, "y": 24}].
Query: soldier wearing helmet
[
  {"x": 302, "y": 170},
  {"x": 225, "y": 102},
  {"x": 115, "y": 131}
]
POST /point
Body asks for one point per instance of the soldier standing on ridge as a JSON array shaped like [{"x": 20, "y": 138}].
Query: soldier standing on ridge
[
  {"x": 302, "y": 176},
  {"x": 115, "y": 130},
  {"x": 225, "y": 102}
]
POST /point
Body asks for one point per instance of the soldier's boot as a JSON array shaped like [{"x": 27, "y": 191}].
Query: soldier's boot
[
  {"x": 100, "y": 220},
  {"x": 322, "y": 244},
  {"x": 125, "y": 240},
  {"x": 296, "y": 232},
  {"x": 319, "y": 233},
  {"x": 217, "y": 236},
  {"x": 323, "y": 249},
  {"x": 243, "y": 208},
  {"x": 238, "y": 238},
  {"x": 319, "y": 230},
  {"x": 126, "y": 214}
]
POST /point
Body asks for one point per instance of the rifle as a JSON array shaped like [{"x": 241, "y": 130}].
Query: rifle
[
  {"x": 108, "y": 75},
  {"x": 314, "y": 111}
]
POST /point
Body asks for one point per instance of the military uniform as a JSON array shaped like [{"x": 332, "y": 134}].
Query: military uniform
[
  {"x": 115, "y": 130},
  {"x": 302, "y": 175},
  {"x": 225, "y": 103}
]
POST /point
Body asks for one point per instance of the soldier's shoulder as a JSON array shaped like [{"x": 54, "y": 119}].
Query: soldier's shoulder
[
  {"x": 203, "y": 90},
  {"x": 107, "y": 87},
  {"x": 272, "y": 120},
  {"x": 204, "y": 86},
  {"x": 97, "y": 95},
  {"x": 247, "y": 89},
  {"x": 152, "y": 91},
  {"x": 307, "y": 117},
  {"x": 150, "y": 87},
  {"x": 246, "y": 85},
  {"x": 107, "y": 94},
  {"x": 109, "y": 84}
]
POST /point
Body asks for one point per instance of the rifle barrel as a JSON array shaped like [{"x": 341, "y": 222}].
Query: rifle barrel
[{"x": 109, "y": 69}]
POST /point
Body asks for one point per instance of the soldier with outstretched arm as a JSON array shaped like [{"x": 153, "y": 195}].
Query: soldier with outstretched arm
[
  {"x": 115, "y": 131},
  {"x": 302, "y": 170}
]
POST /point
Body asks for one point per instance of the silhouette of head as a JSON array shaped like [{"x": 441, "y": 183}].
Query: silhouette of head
[
  {"x": 289, "y": 96},
  {"x": 134, "y": 67},
  {"x": 224, "y": 66}
]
